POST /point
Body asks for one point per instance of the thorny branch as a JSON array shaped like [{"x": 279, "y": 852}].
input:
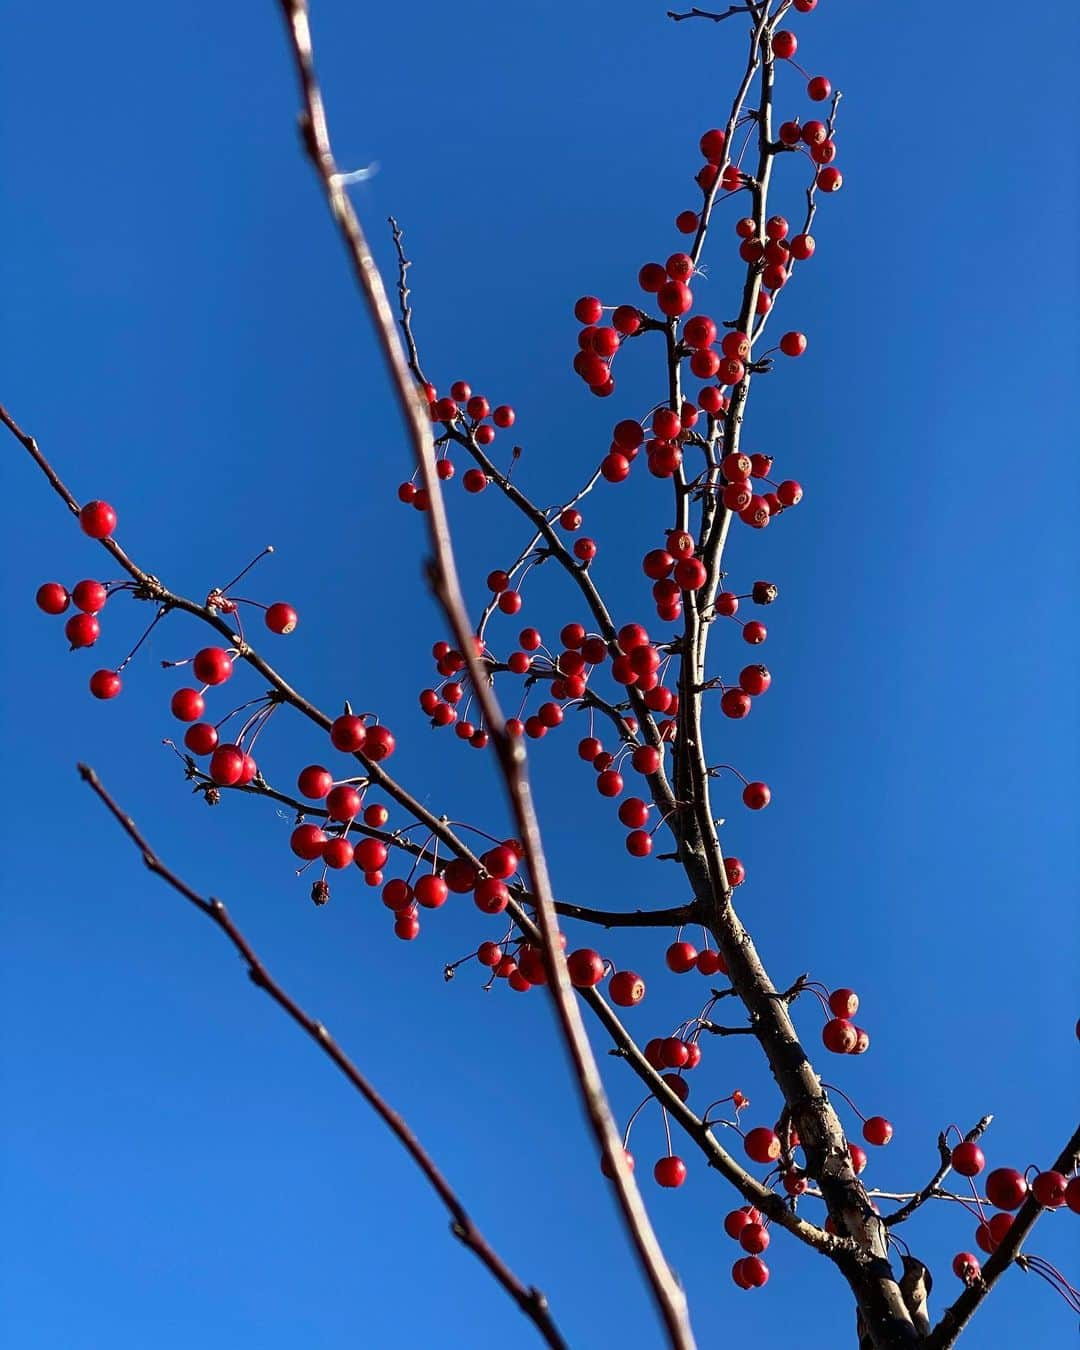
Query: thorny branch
[{"x": 530, "y": 1300}]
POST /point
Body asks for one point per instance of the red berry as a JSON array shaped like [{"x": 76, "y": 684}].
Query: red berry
[
  {"x": 97, "y": 519},
  {"x": 474, "y": 480},
  {"x": 966, "y": 1267},
  {"x": 371, "y": 855},
  {"x": 712, "y": 145},
  {"x": 585, "y": 968},
  {"x": 212, "y": 665},
  {"x": 348, "y": 733},
  {"x": 1006, "y": 1188},
  {"x": 686, "y": 222},
  {"x": 784, "y": 45},
  {"x": 626, "y": 988},
  {"x": 201, "y": 738},
  {"x": 105, "y": 684},
  {"x": 1072, "y": 1195},
  {"x": 858, "y": 1158},
  {"x": 588, "y": 309},
  {"x": 380, "y": 743},
  {"x": 754, "y": 680},
  {"x": 337, "y": 852},
  {"x": 754, "y": 1238},
  {"x": 307, "y": 841},
  {"x": 754, "y": 632},
  {"x": 670, "y": 1172},
  {"x": 431, "y": 891},
  {"x": 52, "y": 598},
  {"x": 968, "y": 1159},
  {"x": 82, "y": 630},
  {"x": 844, "y": 1002},
  {"x": 187, "y": 705},
  {"x": 227, "y": 765},
  {"x": 89, "y": 596},
  {"x": 735, "y": 703},
  {"x": 793, "y": 344},
  {"x": 839, "y": 1036},
  {"x": 802, "y": 247},
  {"x": 830, "y": 179},
  {"x": 877, "y": 1131},
  {"x": 674, "y": 298},
  {"x": 315, "y": 782},
  {"x": 1049, "y": 1189},
  {"x": 819, "y": 89},
  {"x": 681, "y": 957},
  {"x": 343, "y": 802},
  {"x": 281, "y": 618},
  {"x": 762, "y": 1144},
  {"x": 756, "y": 796}
]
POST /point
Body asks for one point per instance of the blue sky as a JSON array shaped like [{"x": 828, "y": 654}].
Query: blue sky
[{"x": 180, "y": 334}]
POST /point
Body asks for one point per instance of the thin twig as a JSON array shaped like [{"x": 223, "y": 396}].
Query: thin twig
[{"x": 530, "y": 1300}]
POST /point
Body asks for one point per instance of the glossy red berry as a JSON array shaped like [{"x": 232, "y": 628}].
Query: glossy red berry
[
  {"x": 89, "y": 596},
  {"x": 877, "y": 1131},
  {"x": 754, "y": 1238},
  {"x": 371, "y": 855},
  {"x": 626, "y": 988},
  {"x": 681, "y": 957},
  {"x": 227, "y": 766},
  {"x": 1072, "y": 1195},
  {"x": 756, "y": 796},
  {"x": 1049, "y": 1189},
  {"x": 82, "y": 630},
  {"x": 380, "y": 743},
  {"x": 337, "y": 852},
  {"x": 97, "y": 519},
  {"x": 504, "y": 416},
  {"x": 343, "y": 802},
  {"x": 307, "y": 841},
  {"x": 754, "y": 632},
  {"x": 762, "y": 1144},
  {"x": 830, "y": 179},
  {"x": 674, "y": 298},
  {"x": 105, "y": 684},
  {"x": 966, "y": 1267},
  {"x": 844, "y": 1003},
  {"x": 314, "y": 782},
  {"x": 201, "y": 738},
  {"x": 712, "y": 145},
  {"x": 1006, "y": 1188},
  {"x": 754, "y": 680},
  {"x": 735, "y": 703},
  {"x": 839, "y": 1036},
  {"x": 588, "y": 310},
  {"x": 348, "y": 733},
  {"x": 784, "y": 45},
  {"x": 670, "y": 1172},
  {"x": 585, "y": 968},
  {"x": 281, "y": 618},
  {"x": 858, "y": 1158},
  {"x": 52, "y": 598},
  {"x": 968, "y": 1159},
  {"x": 212, "y": 665},
  {"x": 431, "y": 891},
  {"x": 793, "y": 344},
  {"x": 187, "y": 705},
  {"x": 819, "y": 89}
]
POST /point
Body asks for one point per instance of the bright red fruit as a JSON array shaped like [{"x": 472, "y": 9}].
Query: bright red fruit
[
  {"x": 968, "y": 1159},
  {"x": 187, "y": 705},
  {"x": 281, "y": 618},
  {"x": 105, "y": 684},
  {"x": 82, "y": 630},
  {"x": 97, "y": 519},
  {"x": 670, "y": 1172},
  {"x": 52, "y": 598},
  {"x": 762, "y": 1144},
  {"x": 626, "y": 988},
  {"x": 315, "y": 782},
  {"x": 89, "y": 596},
  {"x": 212, "y": 665},
  {"x": 1006, "y": 1188}
]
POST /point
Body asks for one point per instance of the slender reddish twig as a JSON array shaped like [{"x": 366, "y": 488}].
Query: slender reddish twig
[{"x": 530, "y": 1300}]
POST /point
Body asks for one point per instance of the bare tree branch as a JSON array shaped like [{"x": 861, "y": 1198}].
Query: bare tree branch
[
  {"x": 530, "y": 1300},
  {"x": 667, "y": 1293}
]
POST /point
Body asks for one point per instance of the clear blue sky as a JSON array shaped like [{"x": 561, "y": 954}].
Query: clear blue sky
[{"x": 179, "y": 1166}]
